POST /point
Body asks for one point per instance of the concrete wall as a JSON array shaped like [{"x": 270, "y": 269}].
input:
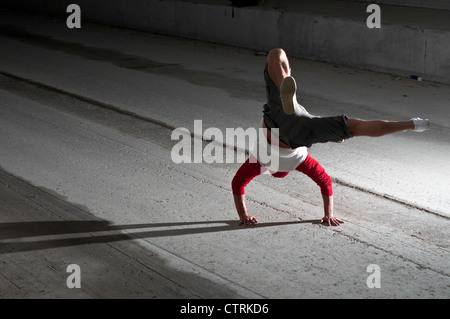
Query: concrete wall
[
  {"x": 389, "y": 49},
  {"x": 431, "y": 4},
  {"x": 395, "y": 48}
]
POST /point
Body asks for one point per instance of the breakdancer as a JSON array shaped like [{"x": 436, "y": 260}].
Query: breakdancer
[{"x": 290, "y": 127}]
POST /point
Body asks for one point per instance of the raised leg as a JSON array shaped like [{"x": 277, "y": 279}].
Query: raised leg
[
  {"x": 280, "y": 72},
  {"x": 377, "y": 128},
  {"x": 278, "y": 66}
]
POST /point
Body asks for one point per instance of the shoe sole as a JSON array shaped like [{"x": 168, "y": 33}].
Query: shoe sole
[
  {"x": 288, "y": 89},
  {"x": 428, "y": 125},
  {"x": 422, "y": 129}
]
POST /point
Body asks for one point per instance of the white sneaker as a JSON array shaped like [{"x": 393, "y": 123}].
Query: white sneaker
[
  {"x": 288, "y": 89},
  {"x": 420, "y": 125}
]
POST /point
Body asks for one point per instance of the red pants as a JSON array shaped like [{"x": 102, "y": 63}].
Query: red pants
[{"x": 310, "y": 167}]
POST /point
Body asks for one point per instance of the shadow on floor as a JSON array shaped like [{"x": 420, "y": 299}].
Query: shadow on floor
[{"x": 93, "y": 232}]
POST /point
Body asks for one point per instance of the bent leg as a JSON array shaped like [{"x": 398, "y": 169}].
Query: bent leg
[
  {"x": 279, "y": 71},
  {"x": 278, "y": 66},
  {"x": 377, "y": 128}
]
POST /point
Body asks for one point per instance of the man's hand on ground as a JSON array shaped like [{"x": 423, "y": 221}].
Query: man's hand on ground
[
  {"x": 331, "y": 221},
  {"x": 248, "y": 221}
]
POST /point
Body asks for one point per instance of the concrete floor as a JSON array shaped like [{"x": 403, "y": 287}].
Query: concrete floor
[{"x": 87, "y": 178}]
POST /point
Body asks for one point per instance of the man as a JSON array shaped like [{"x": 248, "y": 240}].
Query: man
[{"x": 289, "y": 126}]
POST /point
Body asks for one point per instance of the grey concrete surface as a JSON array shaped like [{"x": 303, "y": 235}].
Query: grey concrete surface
[
  {"x": 411, "y": 41},
  {"x": 42, "y": 234},
  {"x": 84, "y": 181}
]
